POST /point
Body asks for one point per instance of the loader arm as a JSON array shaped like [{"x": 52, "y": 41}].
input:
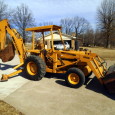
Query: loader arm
[{"x": 105, "y": 76}]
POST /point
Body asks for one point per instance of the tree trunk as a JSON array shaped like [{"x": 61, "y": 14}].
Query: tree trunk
[
  {"x": 107, "y": 40},
  {"x": 76, "y": 41}
]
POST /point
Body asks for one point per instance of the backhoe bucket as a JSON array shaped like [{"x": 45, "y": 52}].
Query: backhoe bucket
[
  {"x": 109, "y": 79},
  {"x": 8, "y": 53}
]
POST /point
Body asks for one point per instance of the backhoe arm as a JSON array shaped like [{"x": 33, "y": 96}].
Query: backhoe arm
[
  {"x": 17, "y": 43},
  {"x": 16, "y": 39}
]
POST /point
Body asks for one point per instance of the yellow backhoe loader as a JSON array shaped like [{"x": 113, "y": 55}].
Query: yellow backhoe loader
[{"x": 76, "y": 65}]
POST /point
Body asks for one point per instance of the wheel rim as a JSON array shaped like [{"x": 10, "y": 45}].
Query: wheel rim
[
  {"x": 73, "y": 78},
  {"x": 32, "y": 68}
]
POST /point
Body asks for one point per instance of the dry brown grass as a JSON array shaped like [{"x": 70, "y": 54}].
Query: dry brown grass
[
  {"x": 103, "y": 52},
  {"x": 6, "y": 109}
]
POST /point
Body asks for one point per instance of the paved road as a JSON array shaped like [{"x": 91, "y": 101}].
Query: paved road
[
  {"x": 52, "y": 97},
  {"x": 6, "y": 88}
]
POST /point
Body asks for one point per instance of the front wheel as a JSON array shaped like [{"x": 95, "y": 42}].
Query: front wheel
[
  {"x": 75, "y": 78},
  {"x": 34, "y": 67}
]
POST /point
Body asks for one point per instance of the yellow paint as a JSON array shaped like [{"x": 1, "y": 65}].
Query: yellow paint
[
  {"x": 33, "y": 40},
  {"x": 32, "y": 68},
  {"x": 73, "y": 78},
  {"x": 57, "y": 61}
]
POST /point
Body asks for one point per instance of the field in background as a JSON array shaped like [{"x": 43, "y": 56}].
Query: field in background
[{"x": 103, "y": 52}]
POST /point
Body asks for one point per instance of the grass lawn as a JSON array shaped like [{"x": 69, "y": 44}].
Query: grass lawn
[{"x": 103, "y": 52}]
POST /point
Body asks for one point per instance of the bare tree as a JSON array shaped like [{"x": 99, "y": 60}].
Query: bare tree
[
  {"x": 3, "y": 10},
  {"x": 76, "y": 24},
  {"x": 89, "y": 37},
  {"x": 80, "y": 25},
  {"x": 106, "y": 20},
  {"x": 67, "y": 25},
  {"x": 22, "y": 18}
]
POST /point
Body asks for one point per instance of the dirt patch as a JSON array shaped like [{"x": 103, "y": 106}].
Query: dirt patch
[{"x": 6, "y": 109}]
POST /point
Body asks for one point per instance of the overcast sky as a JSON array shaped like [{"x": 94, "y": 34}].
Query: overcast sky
[{"x": 54, "y": 10}]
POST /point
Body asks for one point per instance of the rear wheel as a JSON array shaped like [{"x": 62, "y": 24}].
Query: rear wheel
[
  {"x": 75, "y": 78},
  {"x": 34, "y": 67}
]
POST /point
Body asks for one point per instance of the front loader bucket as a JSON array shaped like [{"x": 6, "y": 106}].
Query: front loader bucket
[
  {"x": 8, "y": 53},
  {"x": 109, "y": 79}
]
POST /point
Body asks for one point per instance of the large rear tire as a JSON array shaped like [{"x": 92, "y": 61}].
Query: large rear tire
[
  {"x": 75, "y": 78},
  {"x": 34, "y": 68}
]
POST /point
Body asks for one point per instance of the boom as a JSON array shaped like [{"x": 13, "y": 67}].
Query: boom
[
  {"x": 16, "y": 39},
  {"x": 17, "y": 44}
]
